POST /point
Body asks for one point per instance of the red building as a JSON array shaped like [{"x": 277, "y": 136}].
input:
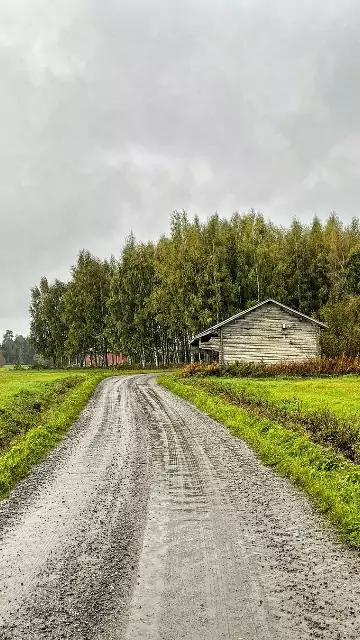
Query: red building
[{"x": 113, "y": 359}]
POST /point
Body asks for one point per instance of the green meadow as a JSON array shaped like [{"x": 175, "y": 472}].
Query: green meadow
[{"x": 340, "y": 395}]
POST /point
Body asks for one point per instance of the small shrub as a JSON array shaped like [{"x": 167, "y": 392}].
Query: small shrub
[
  {"x": 40, "y": 366},
  {"x": 199, "y": 369}
]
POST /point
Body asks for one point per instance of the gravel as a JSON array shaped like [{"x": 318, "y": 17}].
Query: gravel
[{"x": 150, "y": 521}]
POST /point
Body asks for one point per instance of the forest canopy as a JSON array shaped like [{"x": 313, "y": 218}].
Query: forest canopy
[{"x": 148, "y": 303}]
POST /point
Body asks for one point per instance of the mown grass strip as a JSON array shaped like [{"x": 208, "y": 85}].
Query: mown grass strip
[{"x": 331, "y": 481}]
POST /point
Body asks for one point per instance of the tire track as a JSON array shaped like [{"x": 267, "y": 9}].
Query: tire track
[
  {"x": 218, "y": 620},
  {"x": 191, "y": 465}
]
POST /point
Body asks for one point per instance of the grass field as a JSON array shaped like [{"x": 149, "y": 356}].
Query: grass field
[
  {"x": 339, "y": 395},
  {"x": 325, "y": 409},
  {"x": 307, "y": 430},
  {"x": 12, "y": 382}
]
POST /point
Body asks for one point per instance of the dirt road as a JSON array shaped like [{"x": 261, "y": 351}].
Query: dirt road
[{"x": 151, "y": 522}]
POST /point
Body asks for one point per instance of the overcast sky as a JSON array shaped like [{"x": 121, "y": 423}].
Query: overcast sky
[{"x": 113, "y": 113}]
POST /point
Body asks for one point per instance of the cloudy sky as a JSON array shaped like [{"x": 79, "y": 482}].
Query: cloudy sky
[{"x": 115, "y": 112}]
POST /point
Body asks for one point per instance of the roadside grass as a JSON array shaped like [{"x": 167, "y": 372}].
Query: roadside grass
[
  {"x": 331, "y": 481},
  {"x": 36, "y": 410},
  {"x": 25, "y": 409},
  {"x": 341, "y": 395},
  {"x": 339, "y": 429}
]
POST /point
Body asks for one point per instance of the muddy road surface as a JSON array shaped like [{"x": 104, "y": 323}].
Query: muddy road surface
[{"x": 151, "y": 522}]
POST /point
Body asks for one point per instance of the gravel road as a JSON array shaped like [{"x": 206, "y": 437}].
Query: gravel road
[{"x": 151, "y": 522}]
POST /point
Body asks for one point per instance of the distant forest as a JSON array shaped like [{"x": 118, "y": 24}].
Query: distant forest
[
  {"x": 149, "y": 302},
  {"x": 16, "y": 350}
]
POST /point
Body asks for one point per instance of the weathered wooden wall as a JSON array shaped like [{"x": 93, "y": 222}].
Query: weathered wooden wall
[{"x": 259, "y": 336}]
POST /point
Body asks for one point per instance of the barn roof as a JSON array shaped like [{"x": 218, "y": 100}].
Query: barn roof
[{"x": 256, "y": 306}]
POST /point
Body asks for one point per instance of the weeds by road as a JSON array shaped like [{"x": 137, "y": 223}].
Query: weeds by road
[{"x": 25, "y": 409}]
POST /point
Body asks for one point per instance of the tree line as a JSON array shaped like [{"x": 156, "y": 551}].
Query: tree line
[
  {"x": 148, "y": 303},
  {"x": 16, "y": 350}
]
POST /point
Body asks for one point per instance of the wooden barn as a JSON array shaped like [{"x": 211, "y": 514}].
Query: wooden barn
[{"x": 268, "y": 332}]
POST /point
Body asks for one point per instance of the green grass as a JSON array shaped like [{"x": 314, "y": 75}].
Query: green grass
[
  {"x": 321, "y": 413},
  {"x": 12, "y": 382},
  {"x": 36, "y": 410},
  {"x": 330, "y": 480},
  {"x": 340, "y": 395}
]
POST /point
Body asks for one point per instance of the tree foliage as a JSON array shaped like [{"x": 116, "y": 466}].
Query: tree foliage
[
  {"x": 85, "y": 309},
  {"x": 48, "y": 328}
]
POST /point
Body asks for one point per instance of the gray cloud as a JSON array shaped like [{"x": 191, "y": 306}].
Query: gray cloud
[{"x": 113, "y": 113}]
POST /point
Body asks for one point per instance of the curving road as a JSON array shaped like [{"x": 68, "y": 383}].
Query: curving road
[{"x": 151, "y": 522}]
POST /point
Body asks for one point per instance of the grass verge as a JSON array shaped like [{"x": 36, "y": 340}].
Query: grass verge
[
  {"x": 24, "y": 409},
  {"x": 31, "y": 447},
  {"x": 331, "y": 481}
]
